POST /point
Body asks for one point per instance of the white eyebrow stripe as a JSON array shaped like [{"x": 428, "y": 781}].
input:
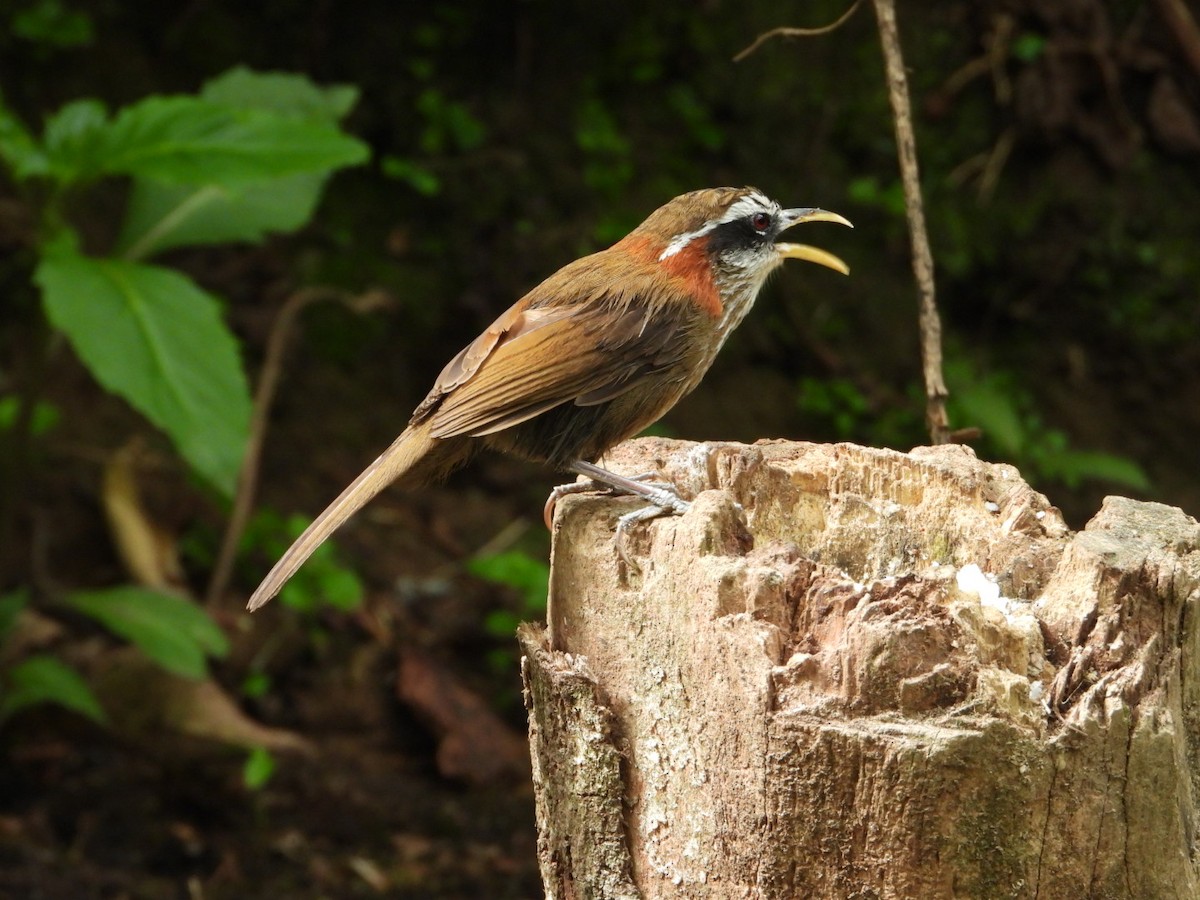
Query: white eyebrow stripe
[
  {"x": 751, "y": 203},
  {"x": 682, "y": 240}
]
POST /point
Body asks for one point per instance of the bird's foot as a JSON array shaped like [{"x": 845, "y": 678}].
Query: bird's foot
[
  {"x": 663, "y": 499},
  {"x": 562, "y": 490},
  {"x": 625, "y": 522},
  {"x": 590, "y": 485}
]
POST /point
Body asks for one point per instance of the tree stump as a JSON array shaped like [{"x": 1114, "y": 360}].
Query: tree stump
[{"x": 849, "y": 672}]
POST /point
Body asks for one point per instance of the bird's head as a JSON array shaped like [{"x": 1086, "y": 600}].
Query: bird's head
[{"x": 733, "y": 233}]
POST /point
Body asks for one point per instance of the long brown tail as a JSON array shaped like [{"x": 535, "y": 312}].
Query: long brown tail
[{"x": 409, "y": 451}]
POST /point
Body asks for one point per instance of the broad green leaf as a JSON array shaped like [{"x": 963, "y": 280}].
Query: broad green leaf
[
  {"x": 176, "y": 634},
  {"x": 161, "y": 216},
  {"x": 153, "y": 337},
  {"x": 44, "y": 679},
  {"x": 189, "y": 140},
  {"x": 72, "y": 137},
  {"x": 1074, "y": 466},
  {"x": 989, "y": 404},
  {"x": 281, "y": 91}
]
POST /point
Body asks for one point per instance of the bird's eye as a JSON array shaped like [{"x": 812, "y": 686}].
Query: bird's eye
[{"x": 761, "y": 221}]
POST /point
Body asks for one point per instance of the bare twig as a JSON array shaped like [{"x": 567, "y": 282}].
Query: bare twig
[
  {"x": 268, "y": 384},
  {"x": 1183, "y": 26},
  {"x": 797, "y": 32},
  {"x": 906, "y": 145},
  {"x": 996, "y": 159},
  {"x": 998, "y": 45}
]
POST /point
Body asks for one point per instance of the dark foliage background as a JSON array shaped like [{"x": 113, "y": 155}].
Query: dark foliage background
[{"x": 1060, "y": 146}]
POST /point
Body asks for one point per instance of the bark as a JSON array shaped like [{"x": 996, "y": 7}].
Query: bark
[{"x": 804, "y": 688}]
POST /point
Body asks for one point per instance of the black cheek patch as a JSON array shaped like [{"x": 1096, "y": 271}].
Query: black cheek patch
[{"x": 739, "y": 235}]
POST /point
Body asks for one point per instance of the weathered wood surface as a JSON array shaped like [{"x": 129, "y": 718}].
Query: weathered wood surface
[{"x": 804, "y": 689}]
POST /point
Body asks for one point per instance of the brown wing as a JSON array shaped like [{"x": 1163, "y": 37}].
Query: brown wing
[{"x": 519, "y": 368}]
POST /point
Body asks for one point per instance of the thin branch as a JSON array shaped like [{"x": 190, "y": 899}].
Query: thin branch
[
  {"x": 264, "y": 395},
  {"x": 797, "y": 32},
  {"x": 1183, "y": 26},
  {"x": 930, "y": 323}
]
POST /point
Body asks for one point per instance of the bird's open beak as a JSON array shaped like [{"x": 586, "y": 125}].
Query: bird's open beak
[{"x": 804, "y": 251}]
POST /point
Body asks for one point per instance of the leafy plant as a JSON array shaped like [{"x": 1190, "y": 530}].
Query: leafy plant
[
  {"x": 851, "y": 416},
  {"x": 46, "y": 679},
  {"x": 247, "y": 156},
  {"x": 41, "y": 678},
  {"x": 1013, "y": 430},
  {"x": 530, "y": 577},
  {"x": 173, "y": 632},
  {"x": 837, "y": 400},
  {"x": 867, "y": 191},
  {"x": 43, "y": 416},
  {"x": 996, "y": 402},
  {"x": 321, "y": 582},
  {"x": 50, "y": 24}
]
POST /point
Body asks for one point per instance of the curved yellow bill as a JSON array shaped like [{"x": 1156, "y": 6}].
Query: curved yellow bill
[
  {"x": 804, "y": 251},
  {"x": 812, "y": 254}
]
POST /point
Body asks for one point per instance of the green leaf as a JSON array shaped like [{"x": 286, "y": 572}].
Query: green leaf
[
  {"x": 190, "y": 140},
  {"x": 49, "y": 23},
  {"x": 339, "y": 587},
  {"x": 259, "y": 767},
  {"x": 45, "y": 415},
  {"x": 519, "y": 570},
  {"x": 1028, "y": 47},
  {"x": 161, "y": 216},
  {"x": 176, "y": 634},
  {"x": 43, "y": 679},
  {"x": 71, "y": 138},
  {"x": 1074, "y": 466},
  {"x": 419, "y": 178},
  {"x": 11, "y": 605},
  {"x": 19, "y": 148},
  {"x": 501, "y": 623},
  {"x": 283, "y": 92},
  {"x": 153, "y": 337},
  {"x": 256, "y": 685},
  {"x": 989, "y": 403}
]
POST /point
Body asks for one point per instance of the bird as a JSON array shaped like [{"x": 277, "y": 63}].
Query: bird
[{"x": 593, "y": 355}]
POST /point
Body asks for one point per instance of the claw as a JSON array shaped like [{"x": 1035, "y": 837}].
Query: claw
[
  {"x": 658, "y": 493},
  {"x": 562, "y": 490},
  {"x": 673, "y": 505},
  {"x": 662, "y": 497}
]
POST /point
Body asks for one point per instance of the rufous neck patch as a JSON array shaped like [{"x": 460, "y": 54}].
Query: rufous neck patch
[{"x": 689, "y": 265}]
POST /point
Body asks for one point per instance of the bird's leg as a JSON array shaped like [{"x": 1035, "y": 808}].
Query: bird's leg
[
  {"x": 590, "y": 485},
  {"x": 664, "y": 501},
  {"x": 662, "y": 496},
  {"x": 625, "y": 522}
]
